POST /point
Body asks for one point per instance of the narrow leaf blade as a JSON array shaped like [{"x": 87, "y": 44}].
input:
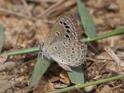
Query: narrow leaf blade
[
  {"x": 40, "y": 68},
  {"x": 117, "y": 31},
  {"x": 76, "y": 75},
  {"x": 2, "y": 36},
  {"x": 86, "y": 20}
]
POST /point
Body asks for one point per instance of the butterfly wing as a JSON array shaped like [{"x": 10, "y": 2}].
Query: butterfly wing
[
  {"x": 71, "y": 53},
  {"x": 66, "y": 27},
  {"x": 63, "y": 45}
]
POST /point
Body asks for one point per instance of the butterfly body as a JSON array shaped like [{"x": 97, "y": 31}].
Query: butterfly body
[{"x": 63, "y": 45}]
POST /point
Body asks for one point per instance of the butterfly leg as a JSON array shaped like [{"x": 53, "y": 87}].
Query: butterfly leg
[
  {"x": 41, "y": 52},
  {"x": 41, "y": 46},
  {"x": 65, "y": 67}
]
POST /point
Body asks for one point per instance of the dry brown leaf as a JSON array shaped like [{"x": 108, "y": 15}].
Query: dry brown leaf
[{"x": 3, "y": 58}]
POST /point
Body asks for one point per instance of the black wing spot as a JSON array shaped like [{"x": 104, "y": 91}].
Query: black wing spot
[
  {"x": 72, "y": 48},
  {"x": 71, "y": 55},
  {"x": 64, "y": 43},
  {"x": 76, "y": 59},
  {"x": 64, "y": 24},
  {"x": 60, "y": 22},
  {"x": 73, "y": 52},
  {"x": 67, "y": 27},
  {"x": 57, "y": 33},
  {"x": 67, "y": 36},
  {"x": 68, "y": 31},
  {"x": 55, "y": 47}
]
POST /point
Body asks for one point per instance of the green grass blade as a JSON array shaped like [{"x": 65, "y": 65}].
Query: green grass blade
[
  {"x": 118, "y": 31},
  {"x": 40, "y": 68},
  {"x": 76, "y": 75},
  {"x": 2, "y": 37},
  {"x": 86, "y": 20},
  {"x": 23, "y": 51},
  {"x": 89, "y": 84}
]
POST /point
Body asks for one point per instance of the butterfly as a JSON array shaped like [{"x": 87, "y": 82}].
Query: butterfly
[{"x": 63, "y": 45}]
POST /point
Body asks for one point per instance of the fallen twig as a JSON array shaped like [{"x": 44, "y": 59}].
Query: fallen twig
[{"x": 114, "y": 56}]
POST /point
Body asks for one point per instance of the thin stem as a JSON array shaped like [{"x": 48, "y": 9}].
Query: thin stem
[
  {"x": 23, "y": 51},
  {"x": 118, "y": 31},
  {"x": 89, "y": 84}
]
